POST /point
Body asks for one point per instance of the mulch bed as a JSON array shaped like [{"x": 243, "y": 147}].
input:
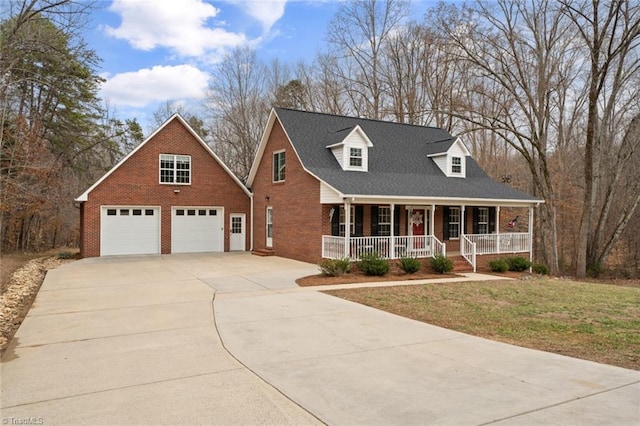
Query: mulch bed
[
  {"x": 395, "y": 274},
  {"x": 358, "y": 277}
]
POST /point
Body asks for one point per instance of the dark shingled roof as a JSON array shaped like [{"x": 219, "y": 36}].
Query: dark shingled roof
[{"x": 399, "y": 163}]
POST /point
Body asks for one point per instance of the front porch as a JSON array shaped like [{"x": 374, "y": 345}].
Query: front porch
[
  {"x": 423, "y": 246},
  {"x": 424, "y": 231}
]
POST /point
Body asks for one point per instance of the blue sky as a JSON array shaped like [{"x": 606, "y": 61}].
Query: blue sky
[{"x": 154, "y": 51}]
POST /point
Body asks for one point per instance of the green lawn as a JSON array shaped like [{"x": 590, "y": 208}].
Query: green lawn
[{"x": 598, "y": 322}]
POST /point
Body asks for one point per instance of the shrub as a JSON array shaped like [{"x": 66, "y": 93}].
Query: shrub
[
  {"x": 595, "y": 270},
  {"x": 498, "y": 265},
  {"x": 540, "y": 268},
  {"x": 441, "y": 264},
  {"x": 65, "y": 255},
  {"x": 335, "y": 267},
  {"x": 518, "y": 264},
  {"x": 373, "y": 264},
  {"x": 410, "y": 265}
]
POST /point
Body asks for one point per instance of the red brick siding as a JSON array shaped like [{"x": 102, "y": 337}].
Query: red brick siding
[
  {"x": 297, "y": 213},
  {"x": 136, "y": 183}
]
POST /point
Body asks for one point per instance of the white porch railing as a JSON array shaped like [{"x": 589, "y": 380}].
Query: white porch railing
[
  {"x": 403, "y": 246},
  {"x": 511, "y": 242},
  {"x": 333, "y": 247},
  {"x": 468, "y": 250}
]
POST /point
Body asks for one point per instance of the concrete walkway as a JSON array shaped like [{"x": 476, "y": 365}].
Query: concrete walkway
[{"x": 134, "y": 340}]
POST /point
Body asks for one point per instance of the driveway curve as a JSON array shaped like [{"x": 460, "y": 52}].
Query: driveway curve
[{"x": 137, "y": 340}]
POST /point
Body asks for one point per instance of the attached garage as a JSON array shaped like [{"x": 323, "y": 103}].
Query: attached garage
[
  {"x": 129, "y": 230},
  {"x": 197, "y": 229},
  {"x": 170, "y": 194}
]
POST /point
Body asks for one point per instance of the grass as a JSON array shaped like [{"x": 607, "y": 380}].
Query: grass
[{"x": 598, "y": 322}]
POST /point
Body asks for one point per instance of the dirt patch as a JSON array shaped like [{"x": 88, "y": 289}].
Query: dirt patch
[{"x": 22, "y": 279}]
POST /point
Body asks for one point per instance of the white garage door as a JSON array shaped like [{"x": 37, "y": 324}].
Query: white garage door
[
  {"x": 197, "y": 229},
  {"x": 129, "y": 230}
]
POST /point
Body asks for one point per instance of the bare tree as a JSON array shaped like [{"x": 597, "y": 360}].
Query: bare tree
[
  {"x": 610, "y": 32},
  {"x": 518, "y": 53},
  {"x": 357, "y": 35},
  {"x": 238, "y": 102}
]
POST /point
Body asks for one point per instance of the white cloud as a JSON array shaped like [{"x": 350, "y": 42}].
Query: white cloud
[
  {"x": 178, "y": 25},
  {"x": 267, "y": 12},
  {"x": 159, "y": 83}
]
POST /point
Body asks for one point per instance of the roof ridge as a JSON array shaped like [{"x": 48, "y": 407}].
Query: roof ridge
[{"x": 361, "y": 118}]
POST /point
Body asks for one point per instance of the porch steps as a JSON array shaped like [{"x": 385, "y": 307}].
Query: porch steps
[
  {"x": 460, "y": 264},
  {"x": 264, "y": 252}
]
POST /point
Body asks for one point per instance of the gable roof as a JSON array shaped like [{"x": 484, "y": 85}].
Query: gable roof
[
  {"x": 344, "y": 134},
  {"x": 85, "y": 195},
  {"x": 399, "y": 161}
]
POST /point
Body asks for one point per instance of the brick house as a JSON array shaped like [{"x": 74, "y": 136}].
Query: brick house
[
  {"x": 408, "y": 190},
  {"x": 171, "y": 194}
]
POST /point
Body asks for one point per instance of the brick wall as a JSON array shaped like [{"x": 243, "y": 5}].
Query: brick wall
[
  {"x": 136, "y": 183},
  {"x": 297, "y": 212}
]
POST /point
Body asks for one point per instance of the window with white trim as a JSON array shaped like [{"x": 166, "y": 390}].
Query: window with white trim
[
  {"x": 483, "y": 220},
  {"x": 384, "y": 221},
  {"x": 278, "y": 166},
  {"x": 355, "y": 157},
  {"x": 175, "y": 169},
  {"x": 352, "y": 221},
  {"x": 454, "y": 223},
  {"x": 456, "y": 165}
]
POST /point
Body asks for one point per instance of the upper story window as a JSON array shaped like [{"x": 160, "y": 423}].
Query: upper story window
[
  {"x": 456, "y": 165},
  {"x": 278, "y": 166},
  {"x": 355, "y": 157},
  {"x": 175, "y": 169},
  {"x": 351, "y": 149}
]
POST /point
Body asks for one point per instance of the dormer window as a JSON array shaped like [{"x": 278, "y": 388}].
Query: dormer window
[
  {"x": 456, "y": 165},
  {"x": 355, "y": 157},
  {"x": 451, "y": 160},
  {"x": 351, "y": 148}
]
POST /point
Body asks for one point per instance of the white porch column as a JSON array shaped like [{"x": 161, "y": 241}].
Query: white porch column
[
  {"x": 498, "y": 229},
  {"x": 347, "y": 227},
  {"x": 530, "y": 235},
  {"x": 432, "y": 218},
  {"x": 462, "y": 222},
  {"x": 392, "y": 248}
]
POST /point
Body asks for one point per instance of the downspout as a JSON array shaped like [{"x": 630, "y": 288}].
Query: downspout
[{"x": 252, "y": 223}]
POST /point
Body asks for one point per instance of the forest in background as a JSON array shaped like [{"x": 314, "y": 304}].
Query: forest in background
[{"x": 545, "y": 94}]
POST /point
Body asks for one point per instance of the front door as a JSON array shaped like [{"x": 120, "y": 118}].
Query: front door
[
  {"x": 269, "y": 226},
  {"x": 237, "y": 237},
  {"x": 419, "y": 222},
  {"x": 418, "y": 225}
]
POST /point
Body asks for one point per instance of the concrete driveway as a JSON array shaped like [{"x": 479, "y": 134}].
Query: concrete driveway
[{"x": 133, "y": 340}]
